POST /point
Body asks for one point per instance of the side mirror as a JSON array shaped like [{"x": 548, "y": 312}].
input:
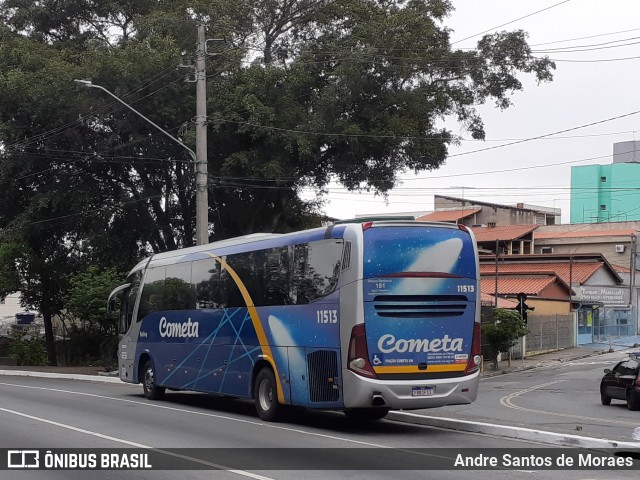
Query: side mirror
[{"x": 607, "y": 370}]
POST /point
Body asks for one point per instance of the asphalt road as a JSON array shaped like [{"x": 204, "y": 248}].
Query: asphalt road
[
  {"x": 55, "y": 413},
  {"x": 562, "y": 398}
]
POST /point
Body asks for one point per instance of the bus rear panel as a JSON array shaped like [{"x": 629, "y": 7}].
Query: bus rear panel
[{"x": 420, "y": 329}]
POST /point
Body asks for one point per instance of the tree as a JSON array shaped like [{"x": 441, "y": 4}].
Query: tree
[
  {"x": 300, "y": 93},
  {"x": 502, "y": 334},
  {"x": 86, "y": 300}
]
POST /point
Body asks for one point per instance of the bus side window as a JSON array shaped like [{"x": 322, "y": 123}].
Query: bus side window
[
  {"x": 205, "y": 278},
  {"x": 130, "y": 301},
  {"x": 316, "y": 269},
  {"x": 277, "y": 276},
  {"x": 152, "y": 297},
  {"x": 232, "y": 294},
  {"x": 178, "y": 292}
]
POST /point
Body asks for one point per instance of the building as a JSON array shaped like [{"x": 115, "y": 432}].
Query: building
[
  {"x": 10, "y": 305},
  {"x": 546, "y": 291},
  {"x": 505, "y": 239},
  {"x": 599, "y": 298},
  {"x": 476, "y": 213},
  {"x": 608, "y": 193}
]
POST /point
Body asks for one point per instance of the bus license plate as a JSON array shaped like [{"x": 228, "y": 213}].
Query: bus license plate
[{"x": 422, "y": 391}]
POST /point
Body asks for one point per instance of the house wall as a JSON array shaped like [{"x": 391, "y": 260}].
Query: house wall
[
  {"x": 549, "y": 307},
  {"x": 604, "y": 246},
  {"x": 554, "y": 292}
]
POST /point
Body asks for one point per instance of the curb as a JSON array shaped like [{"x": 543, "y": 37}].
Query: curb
[
  {"x": 546, "y": 363},
  {"x": 558, "y": 439},
  {"x": 63, "y": 376}
]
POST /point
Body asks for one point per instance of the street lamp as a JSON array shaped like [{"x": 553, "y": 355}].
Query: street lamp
[{"x": 202, "y": 200}]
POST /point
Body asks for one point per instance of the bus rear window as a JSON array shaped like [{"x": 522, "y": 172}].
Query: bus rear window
[{"x": 427, "y": 249}]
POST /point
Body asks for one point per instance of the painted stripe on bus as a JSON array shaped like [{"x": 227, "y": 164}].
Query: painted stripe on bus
[
  {"x": 255, "y": 319},
  {"x": 415, "y": 369}
]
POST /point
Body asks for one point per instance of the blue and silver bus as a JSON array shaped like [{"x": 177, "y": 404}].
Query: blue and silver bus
[{"x": 362, "y": 317}]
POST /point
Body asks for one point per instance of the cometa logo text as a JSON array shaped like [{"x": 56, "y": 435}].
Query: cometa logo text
[
  {"x": 186, "y": 329},
  {"x": 389, "y": 344}
]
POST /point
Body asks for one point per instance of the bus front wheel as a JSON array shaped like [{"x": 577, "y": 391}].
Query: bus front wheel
[
  {"x": 151, "y": 390},
  {"x": 266, "y": 397}
]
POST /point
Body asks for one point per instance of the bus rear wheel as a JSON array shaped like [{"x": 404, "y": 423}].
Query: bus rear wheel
[
  {"x": 366, "y": 414},
  {"x": 149, "y": 387},
  {"x": 266, "y": 396}
]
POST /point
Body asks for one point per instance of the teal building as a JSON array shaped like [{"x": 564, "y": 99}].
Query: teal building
[{"x": 608, "y": 193}]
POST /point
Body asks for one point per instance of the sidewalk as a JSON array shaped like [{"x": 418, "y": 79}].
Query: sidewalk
[{"x": 560, "y": 356}]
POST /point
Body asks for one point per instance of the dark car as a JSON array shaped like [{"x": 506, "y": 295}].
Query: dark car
[{"x": 623, "y": 382}]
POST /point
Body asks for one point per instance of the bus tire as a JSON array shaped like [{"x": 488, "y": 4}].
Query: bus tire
[
  {"x": 149, "y": 387},
  {"x": 366, "y": 414},
  {"x": 266, "y": 395}
]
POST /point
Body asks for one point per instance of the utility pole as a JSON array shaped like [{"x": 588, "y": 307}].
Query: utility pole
[
  {"x": 495, "y": 293},
  {"x": 202, "y": 178}
]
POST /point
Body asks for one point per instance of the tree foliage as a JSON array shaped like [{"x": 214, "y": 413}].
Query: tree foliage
[
  {"x": 300, "y": 93},
  {"x": 502, "y": 334},
  {"x": 86, "y": 300}
]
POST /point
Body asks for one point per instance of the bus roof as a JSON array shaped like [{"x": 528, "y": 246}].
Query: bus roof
[{"x": 269, "y": 240}]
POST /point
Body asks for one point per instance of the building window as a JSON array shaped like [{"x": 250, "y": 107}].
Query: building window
[
  {"x": 603, "y": 207},
  {"x": 603, "y": 179},
  {"x": 546, "y": 250}
]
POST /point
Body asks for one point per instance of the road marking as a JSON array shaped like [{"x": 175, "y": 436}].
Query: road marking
[
  {"x": 204, "y": 414},
  {"x": 223, "y": 417},
  {"x": 507, "y": 401},
  {"x": 134, "y": 444},
  {"x": 599, "y": 362}
]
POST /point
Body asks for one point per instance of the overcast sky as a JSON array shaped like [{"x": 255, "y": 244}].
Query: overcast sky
[{"x": 591, "y": 87}]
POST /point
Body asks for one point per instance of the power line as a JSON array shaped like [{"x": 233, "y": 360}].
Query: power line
[
  {"x": 588, "y": 48},
  {"x": 510, "y": 22},
  {"x": 617, "y": 117},
  {"x": 601, "y": 60},
  {"x": 584, "y": 38}
]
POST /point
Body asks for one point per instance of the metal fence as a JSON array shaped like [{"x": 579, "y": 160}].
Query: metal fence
[{"x": 546, "y": 333}]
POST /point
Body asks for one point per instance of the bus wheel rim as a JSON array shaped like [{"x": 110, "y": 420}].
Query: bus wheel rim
[{"x": 265, "y": 394}]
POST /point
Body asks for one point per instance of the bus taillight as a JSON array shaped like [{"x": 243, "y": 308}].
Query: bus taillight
[
  {"x": 476, "y": 350},
  {"x": 358, "y": 359}
]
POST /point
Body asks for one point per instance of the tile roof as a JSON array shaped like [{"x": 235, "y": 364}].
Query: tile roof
[
  {"x": 514, "y": 284},
  {"x": 577, "y": 272},
  {"x": 502, "y": 232},
  {"x": 576, "y": 232},
  {"x": 490, "y": 300},
  {"x": 448, "y": 215},
  {"x": 620, "y": 268}
]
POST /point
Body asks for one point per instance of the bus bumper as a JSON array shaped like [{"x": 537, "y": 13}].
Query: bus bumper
[{"x": 361, "y": 392}]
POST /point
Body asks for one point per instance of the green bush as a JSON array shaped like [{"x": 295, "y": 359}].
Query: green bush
[
  {"x": 28, "y": 350},
  {"x": 507, "y": 327}
]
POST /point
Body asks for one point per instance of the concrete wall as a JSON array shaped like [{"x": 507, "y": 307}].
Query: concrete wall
[
  {"x": 491, "y": 214},
  {"x": 624, "y": 152},
  {"x": 11, "y": 305}
]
